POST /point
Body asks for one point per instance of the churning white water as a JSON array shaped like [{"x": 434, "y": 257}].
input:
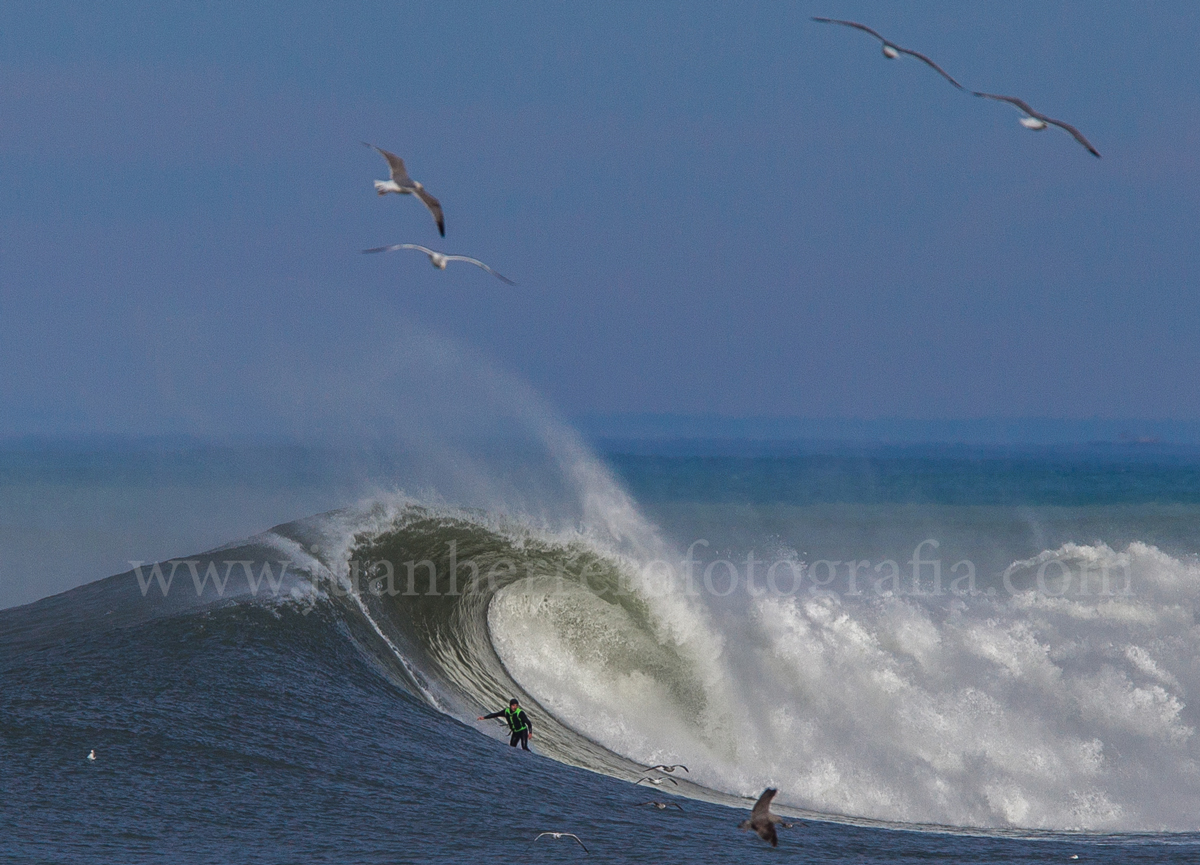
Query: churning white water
[{"x": 1021, "y": 710}]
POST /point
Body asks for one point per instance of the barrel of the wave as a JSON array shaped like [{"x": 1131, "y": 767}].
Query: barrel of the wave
[{"x": 518, "y": 723}]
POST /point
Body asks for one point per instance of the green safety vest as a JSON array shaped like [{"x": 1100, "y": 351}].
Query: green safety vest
[{"x": 512, "y": 718}]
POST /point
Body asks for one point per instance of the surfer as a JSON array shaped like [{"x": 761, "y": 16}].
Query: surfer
[{"x": 518, "y": 723}]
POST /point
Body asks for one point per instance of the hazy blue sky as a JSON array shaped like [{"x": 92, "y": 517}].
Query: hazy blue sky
[{"x": 710, "y": 207}]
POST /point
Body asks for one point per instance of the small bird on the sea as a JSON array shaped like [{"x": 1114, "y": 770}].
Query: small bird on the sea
[
  {"x": 657, "y": 782},
  {"x": 668, "y": 768},
  {"x": 402, "y": 184},
  {"x": 92, "y": 755},
  {"x": 762, "y": 821},
  {"x": 1037, "y": 121},
  {"x": 557, "y": 835},
  {"x": 890, "y": 49},
  {"x": 661, "y": 806},
  {"x": 440, "y": 259}
]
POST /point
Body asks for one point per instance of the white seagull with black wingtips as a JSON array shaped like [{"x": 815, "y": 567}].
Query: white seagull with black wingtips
[
  {"x": 402, "y": 184},
  {"x": 663, "y": 768},
  {"x": 440, "y": 259},
  {"x": 557, "y": 835},
  {"x": 657, "y": 782},
  {"x": 890, "y": 49},
  {"x": 1036, "y": 121}
]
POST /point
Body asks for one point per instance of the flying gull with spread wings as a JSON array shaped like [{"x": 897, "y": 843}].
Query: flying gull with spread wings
[
  {"x": 440, "y": 259},
  {"x": 657, "y": 782},
  {"x": 661, "y": 806},
  {"x": 557, "y": 835},
  {"x": 762, "y": 821},
  {"x": 890, "y": 49},
  {"x": 1035, "y": 120},
  {"x": 668, "y": 768},
  {"x": 402, "y": 184}
]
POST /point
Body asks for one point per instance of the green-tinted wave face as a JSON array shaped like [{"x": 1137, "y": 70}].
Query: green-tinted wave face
[{"x": 428, "y": 581}]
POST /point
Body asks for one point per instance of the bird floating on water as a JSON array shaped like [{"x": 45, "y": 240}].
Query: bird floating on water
[
  {"x": 402, "y": 184},
  {"x": 92, "y": 755},
  {"x": 762, "y": 821},
  {"x": 890, "y": 49},
  {"x": 440, "y": 259},
  {"x": 668, "y": 768},
  {"x": 557, "y": 835},
  {"x": 661, "y": 806},
  {"x": 1037, "y": 121},
  {"x": 657, "y": 782}
]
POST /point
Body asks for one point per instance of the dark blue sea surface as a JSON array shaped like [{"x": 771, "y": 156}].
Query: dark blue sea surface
[
  {"x": 255, "y": 735},
  {"x": 322, "y": 721},
  {"x": 757, "y": 473}
]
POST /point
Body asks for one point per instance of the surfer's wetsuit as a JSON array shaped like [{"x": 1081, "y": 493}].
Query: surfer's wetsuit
[{"x": 518, "y": 723}]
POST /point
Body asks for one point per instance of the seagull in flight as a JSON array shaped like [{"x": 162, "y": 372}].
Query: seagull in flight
[
  {"x": 557, "y": 835},
  {"x": 668, "y": 768},
  {"x": 762, "y": 821},
  {"x": 661, "y": 806},
  {"x": 439, "y": 259},
  {"x": 890, "y": 49},
  {"x": 1036, "y": 120},
  {"x": 657, "y": 782},
  {"x": 402, "y": 184}
]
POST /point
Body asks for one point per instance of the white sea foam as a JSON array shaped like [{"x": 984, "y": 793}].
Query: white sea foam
[{"x": 1029, "y": 711}]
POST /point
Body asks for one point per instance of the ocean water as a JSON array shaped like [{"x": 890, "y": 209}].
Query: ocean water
[{"x": 943, "y": 654}]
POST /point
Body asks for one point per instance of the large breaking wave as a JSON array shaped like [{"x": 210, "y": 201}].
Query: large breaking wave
[
  {"x": 1025, "y": 711},
  {"x": 999, "y": 712}
]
